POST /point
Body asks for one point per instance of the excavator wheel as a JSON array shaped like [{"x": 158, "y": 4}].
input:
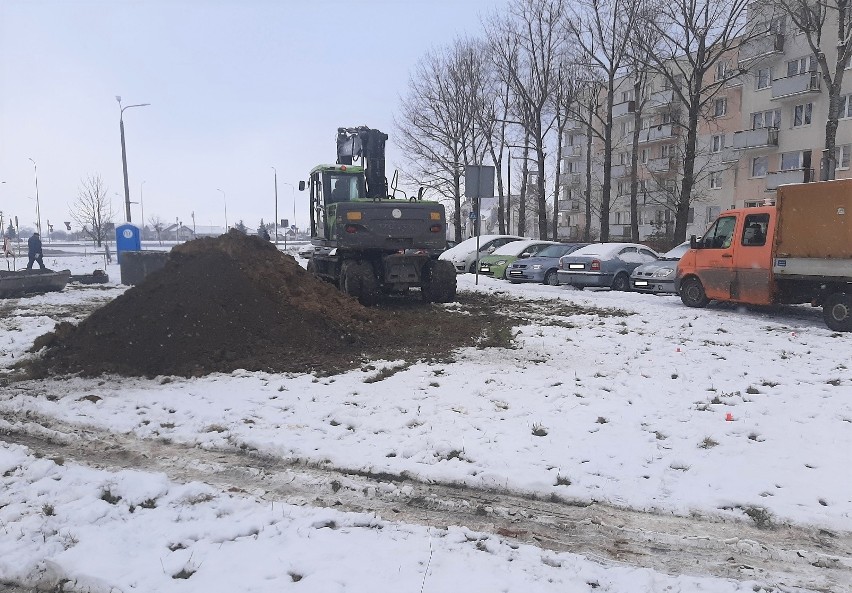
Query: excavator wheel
[
  {"x": 358, "y": 280},
  {"x": 439, "y": 282}
]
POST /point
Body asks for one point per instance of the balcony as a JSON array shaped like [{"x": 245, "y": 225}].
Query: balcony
[
  {"x": 759, "y": 138},
  {"x": 622, "y": 109},
  {"x": 619, "y": 171},
  {"x": 761, "y": 47},
  {"x": 660, "y": 165},
  {"x": 656, "y": 133},
  {"x": 573, "y": 179},
  {"x": 661, "y": 99},
  {"x": 573, "y": 124},
  {"x": 793, "y": 86},
  {"x": 734, "y": 82},
  {"x": 572, "y": 152},
  {"x": 773, "y": 180},
  {"x": 570, "y": 205}
]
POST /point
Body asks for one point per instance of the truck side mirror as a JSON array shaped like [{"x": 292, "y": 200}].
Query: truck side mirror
[
  {"x": 301, "y": 186},
  {"x": 693, "y": 242}
]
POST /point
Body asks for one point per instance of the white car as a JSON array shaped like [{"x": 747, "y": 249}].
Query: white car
[{"x": 464, "y": 255}]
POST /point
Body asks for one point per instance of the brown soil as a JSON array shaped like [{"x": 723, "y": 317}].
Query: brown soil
[{"x": 236, "y": 302}]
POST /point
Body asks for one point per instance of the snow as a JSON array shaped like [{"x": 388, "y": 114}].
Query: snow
[{"x": 634, "y": 408}]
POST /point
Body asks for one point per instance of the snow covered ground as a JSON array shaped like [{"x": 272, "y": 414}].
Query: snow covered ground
[{"x": 728, "y": 414}]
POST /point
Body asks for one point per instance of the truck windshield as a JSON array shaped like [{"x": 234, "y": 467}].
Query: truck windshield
[
  {"x": 720, "y": 234},
  {"x": 344, "y": 187}
]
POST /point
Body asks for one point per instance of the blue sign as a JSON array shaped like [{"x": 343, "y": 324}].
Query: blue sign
[{"x": 472, "y": 216}]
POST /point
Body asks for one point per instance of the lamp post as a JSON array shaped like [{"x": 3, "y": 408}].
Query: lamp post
[
  {"x": 276, "y": 210},
  {"x": 38, "y": 207},
  {"x": 124, "y": 153},
  {"x": 224, "y": 201}
]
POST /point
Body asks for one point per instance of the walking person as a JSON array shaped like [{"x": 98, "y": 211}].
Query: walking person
[{"x": 34, "y": 245}]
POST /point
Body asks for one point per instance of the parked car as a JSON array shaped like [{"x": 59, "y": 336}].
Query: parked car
[
  {"x": 464, "y": 255},
  {"x": 658, "y": 276},
  {"x": 604, "y": 265},
  {"x": 541, "y": 267},
  {"x": 498, "y": 262}
]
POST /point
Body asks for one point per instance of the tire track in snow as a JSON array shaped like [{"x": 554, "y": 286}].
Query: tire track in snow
[{"x": 784, "y": 557}]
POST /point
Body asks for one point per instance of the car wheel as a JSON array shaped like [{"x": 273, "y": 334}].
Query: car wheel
[
  {"x": 621, "y": 282},
  {"x": 472, "y": 268},
  {"x": 837, "y": 312},
  {"x": 692, "y": 293},
  {"x": 551, "y": 278}
]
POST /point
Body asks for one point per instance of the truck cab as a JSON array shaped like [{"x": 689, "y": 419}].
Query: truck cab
[{"x": 732, "y": 261}]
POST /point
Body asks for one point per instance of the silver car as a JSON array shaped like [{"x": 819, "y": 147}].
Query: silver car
[
  {"x": 604, "y": 265},
  {"x": 658, "y": 276}
]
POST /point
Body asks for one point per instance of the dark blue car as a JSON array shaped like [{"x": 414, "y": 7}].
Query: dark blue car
[{"x": 543, "y": 266}]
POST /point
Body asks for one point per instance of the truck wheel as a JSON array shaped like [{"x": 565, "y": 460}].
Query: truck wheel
[
  {"x": 357, "y": 280},
  {"x": 692, "y": 293},
  {"x": 439, "y": 282},
  {"x": 551, "y": 278},
  {"x": 621, "y": 282},
  {"x": 837, "y": 312},
  {"x": 311, "y": 267}
]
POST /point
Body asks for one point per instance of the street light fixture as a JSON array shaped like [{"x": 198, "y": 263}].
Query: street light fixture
[
  {"x": 38, "y": 207},
  {"x": 124, "y": 153},
  {"x": 224, "y": 201},
  {"x": 276, "y": 209}
]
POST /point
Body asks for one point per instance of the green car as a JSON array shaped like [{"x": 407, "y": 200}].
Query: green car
[{"x": 501, "y": 258}]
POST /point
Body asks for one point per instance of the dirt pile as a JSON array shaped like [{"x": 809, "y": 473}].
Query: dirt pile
[{"x": 236, "y": 302}]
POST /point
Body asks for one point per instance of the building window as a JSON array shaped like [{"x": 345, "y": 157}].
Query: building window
[
  {"x": 644, "y": 156},
  {"x": 763, "y": 80},
  {"x": 718, "y": 143},
  {"x": 569, "y": 140},
  {"x": 791, "y": 161},
  {"x": 802, "y": 114},
  {"x": 759, "y": 166},
  {"x": 627, "y": 96},
  {"x": 801, "y": 65},
  {"x": 721, "y": 70},
  {"x": 766, "y": 119},
  {"x": 720, "y": 107},
  {"x": 667, "y": 150},
  {"x": 716, "y": 180},
  {"x": 841, "y": 156},
  {"x": 642, "y": 184},
  {"x": 620, "y": 188},
  {"x": 845, "y": 106}
]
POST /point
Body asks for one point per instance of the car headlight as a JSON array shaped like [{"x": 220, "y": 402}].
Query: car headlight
[
  {"x": 663, "y": 273},
  {"x": 536, "y": 266}
]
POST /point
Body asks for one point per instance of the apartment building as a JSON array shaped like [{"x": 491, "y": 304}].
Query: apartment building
[{"x": 763, "y": 128}]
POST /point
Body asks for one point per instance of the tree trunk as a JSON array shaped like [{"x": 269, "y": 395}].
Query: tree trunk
[
  {"x": 634, "y": 158},
  {"x": 607, "y": 164},
  {"x": 587, "y": 232}
]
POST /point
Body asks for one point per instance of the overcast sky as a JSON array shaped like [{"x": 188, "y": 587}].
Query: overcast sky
[{"x": 235, "y": 88}]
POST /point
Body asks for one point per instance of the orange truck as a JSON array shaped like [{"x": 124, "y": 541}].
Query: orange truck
[{"x": 797, "y": 251}]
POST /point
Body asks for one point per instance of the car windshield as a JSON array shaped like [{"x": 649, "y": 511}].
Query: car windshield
[
  {"x": 554, "y": 251},
  {"x": 676, "y": 253}
]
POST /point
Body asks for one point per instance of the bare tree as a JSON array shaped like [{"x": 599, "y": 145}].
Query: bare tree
[
  {"x": 528, "y": 48},
  {"x": 436, "y": 127},
  {"x": 832, "y": 49},
  {"x": 92, "y": 210},
  {"x": 158, "y": 224},
  {"x": 692, "y": 43},
  {"x": 603, "y": 29}
]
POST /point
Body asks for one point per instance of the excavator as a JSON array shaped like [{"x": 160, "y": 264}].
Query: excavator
[{"x": 367, "y": 240}]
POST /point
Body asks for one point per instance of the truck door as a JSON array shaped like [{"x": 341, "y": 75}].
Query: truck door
[
  {"x": 752, "y": 259},
  {"x": 714, "y": 261}
]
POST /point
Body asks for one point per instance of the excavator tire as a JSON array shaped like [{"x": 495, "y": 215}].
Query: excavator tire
[
  {"x": 439, "y": 282},
  {"x": 358, "y": 280}
]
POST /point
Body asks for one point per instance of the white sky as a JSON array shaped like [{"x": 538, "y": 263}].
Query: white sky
[
  {"x": 235, "y": 88},
  {"x": 636, "y": 414}
]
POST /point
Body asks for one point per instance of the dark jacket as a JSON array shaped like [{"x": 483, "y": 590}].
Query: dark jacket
[{"x": 34, "y": 245}]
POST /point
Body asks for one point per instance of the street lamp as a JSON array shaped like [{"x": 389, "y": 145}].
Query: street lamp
[
  {"x": 276, "y": 210},
  {"x": 38, "y": 207},
  {"x": 224, "y": 201},
  {"x": 124, "y": 153}
]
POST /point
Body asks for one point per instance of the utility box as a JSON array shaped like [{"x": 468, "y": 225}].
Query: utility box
[
  {"x": 136, "y": 265},
  {"x": 128, "y": 237}
]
